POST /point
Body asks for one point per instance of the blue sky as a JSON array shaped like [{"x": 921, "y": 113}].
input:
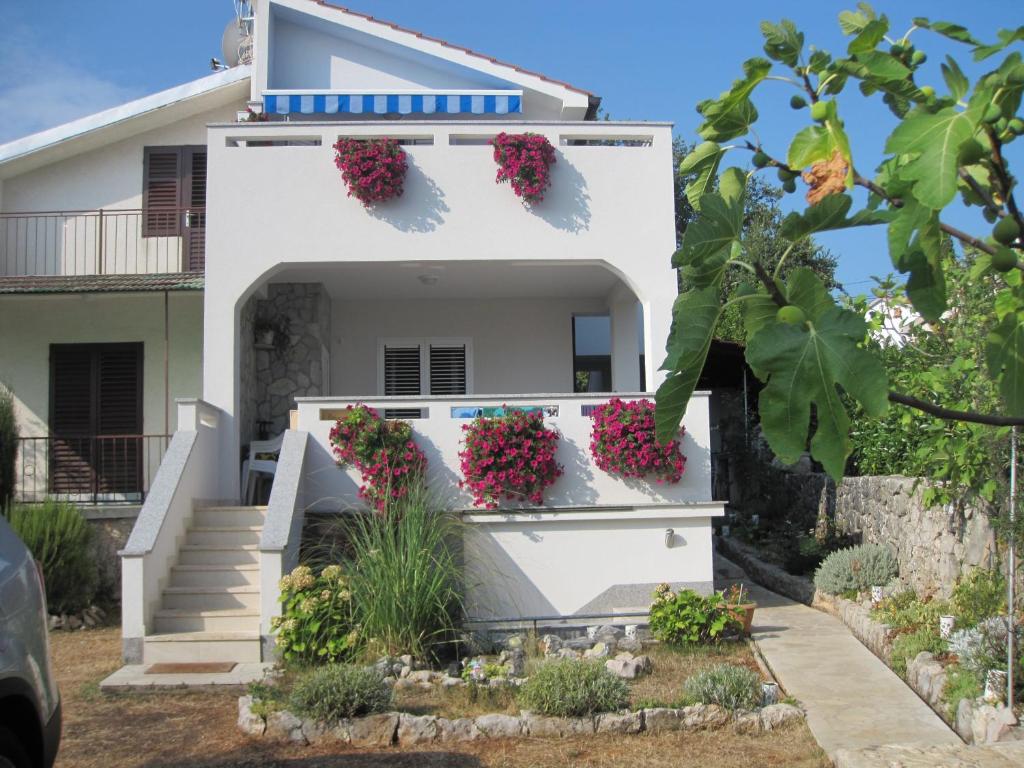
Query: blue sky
[{"x": 652, "y": 61}]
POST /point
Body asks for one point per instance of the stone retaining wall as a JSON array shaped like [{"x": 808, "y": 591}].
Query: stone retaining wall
[
  {"x": 766, "y": 574},
  {"x": 399, "y": 728},
  {"x": 111, "y": 528}
]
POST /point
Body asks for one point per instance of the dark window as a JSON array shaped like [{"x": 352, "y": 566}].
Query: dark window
[
  {"x": 95, "y": 418},
  {"x": 592, "y": 353}
]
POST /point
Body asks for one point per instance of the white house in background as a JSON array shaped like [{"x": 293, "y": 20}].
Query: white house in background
[{"x": 143, "y": 248}]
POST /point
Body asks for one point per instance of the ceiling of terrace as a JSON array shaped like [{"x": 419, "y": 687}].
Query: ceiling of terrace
[{"x": 454, "y": 279}]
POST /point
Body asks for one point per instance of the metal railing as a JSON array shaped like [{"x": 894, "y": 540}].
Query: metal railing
[
  {"x": 90, "y": 469},
  {"x": 101, "y": 242}
]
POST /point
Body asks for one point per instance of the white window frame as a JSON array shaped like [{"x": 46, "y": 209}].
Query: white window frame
[{"x": 424, "y": 343}]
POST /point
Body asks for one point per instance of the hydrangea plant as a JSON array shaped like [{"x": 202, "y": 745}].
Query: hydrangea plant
[{"x": 316, "y": 624}]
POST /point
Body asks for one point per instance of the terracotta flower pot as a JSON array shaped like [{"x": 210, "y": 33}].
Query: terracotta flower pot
[{"x": 744, "y": 614}]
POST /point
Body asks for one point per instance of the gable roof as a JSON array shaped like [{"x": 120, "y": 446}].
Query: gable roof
[
  {"x": 453, "y": 46},
  {"x": 142, "y": 114}
]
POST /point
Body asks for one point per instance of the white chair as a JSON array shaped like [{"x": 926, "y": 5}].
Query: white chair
[{"x": 253, "y": 465}]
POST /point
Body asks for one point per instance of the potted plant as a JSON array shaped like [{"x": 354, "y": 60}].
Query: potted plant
[
  {"x": 740, "y": 606},
  {"x": 524, "y": 161},
  {"x": 373, "y": 169},
  {"x": 623, "y": 442},
  {"x": 271, "y": 333}
]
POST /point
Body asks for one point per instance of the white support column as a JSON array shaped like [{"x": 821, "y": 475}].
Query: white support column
[
  {"x": 625, "y": 317},
  {"x": 657, "y": 323}
]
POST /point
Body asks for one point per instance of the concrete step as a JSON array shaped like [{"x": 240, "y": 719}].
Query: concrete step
[
  {"x": 218, "y": 516},
  {"x": 212, "y": 598},
  {"x": 173, "y": 620},
  {"x": 218, "y": 554},
  {"x": 193, "y": 647},
  {"x": 224, "y": 535},
  {"x": 215, "y": 575}
]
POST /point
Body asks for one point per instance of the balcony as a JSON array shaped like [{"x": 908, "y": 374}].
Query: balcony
[
  {"x": 102, "y": 242},
  {"x": 89, "y": 469}
]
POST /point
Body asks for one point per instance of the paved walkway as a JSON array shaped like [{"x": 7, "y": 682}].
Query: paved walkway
[
  {"x": 1004, "y": 755},
  {"x": 852, "y": 699},
  {"x": 133, "y": 677}
]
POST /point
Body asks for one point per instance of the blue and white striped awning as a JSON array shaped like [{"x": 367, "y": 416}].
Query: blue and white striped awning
[{"x": 471, "y": 103}]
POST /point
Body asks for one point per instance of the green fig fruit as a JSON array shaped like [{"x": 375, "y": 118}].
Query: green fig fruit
[
  {"x": 897, "y": 49},
  {"x": 819, "y": 111},
  {"x": 789, "y": 186},
  {"x": 928, "y": 91},
  {"x": 1004, "y": 260},
  {"x": 919, "y": 58},
  {"x": 1016, "y": 126},
  {"x": 1006, "y": 230},
  {"x": 760, "y": 159},
  {"x": 798, "y": 102},
  {"x": 992, "y": 113},
  {"x": 791, "y": 315},
  {"x": 785, "y": 174},
  {"x": 990, "y": 217},
  {"x": 971, "y": 152}
]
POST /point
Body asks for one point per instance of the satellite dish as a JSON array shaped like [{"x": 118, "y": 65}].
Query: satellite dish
[{"x": 230, "y": 42}]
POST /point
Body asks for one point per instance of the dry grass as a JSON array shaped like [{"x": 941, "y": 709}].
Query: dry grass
[
  {"x": 161, "y": 730},
  {"x": 673, "y": 665}
]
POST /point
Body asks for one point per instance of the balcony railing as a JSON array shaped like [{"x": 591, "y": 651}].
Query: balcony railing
[
  {"x": 92, "y": 469},
  {"x": 102, "y": 242}
]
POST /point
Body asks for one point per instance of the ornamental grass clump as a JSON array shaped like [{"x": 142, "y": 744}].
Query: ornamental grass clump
[
  {"x": 856, "y": 569},
  {"x": 727, "y": 685},
  {"x": 340, "y": 691},
  {"x": 8, "y": 448},
  {"x": 623, "y": 442},
  {"x": 373, "y": 169},
  {"x": 315, "y": 625},
  {"x": 510, "y": 456},
  {"x": 405, "y": 576},
  {"x": 571, "y": 688},
  {"x": 384, "y": 452},
  {"x": 524, "y": 160}
]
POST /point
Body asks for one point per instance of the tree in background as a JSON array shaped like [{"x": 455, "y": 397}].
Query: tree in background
[{"x": 762, "y": 224}]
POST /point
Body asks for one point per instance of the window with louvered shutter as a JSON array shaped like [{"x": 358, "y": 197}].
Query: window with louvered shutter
[
  {"x": 161, "y": 191},
  {"x": 402, "y": 377},
  {"x": 448, "y": 370}
]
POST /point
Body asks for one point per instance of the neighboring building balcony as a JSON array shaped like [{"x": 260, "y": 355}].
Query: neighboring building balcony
[
  {"x": 88, "y": 469},
  {"x": 102, "y": 242}
]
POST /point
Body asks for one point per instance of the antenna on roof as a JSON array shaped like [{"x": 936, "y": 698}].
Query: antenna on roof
[{"x": 236, "y": 42}]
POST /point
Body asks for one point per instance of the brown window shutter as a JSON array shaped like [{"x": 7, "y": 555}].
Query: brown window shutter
[
  {"x": 448, "y": 370},
  {"x": 161, "y": 191},
  {"x": 195, "y": 201}
]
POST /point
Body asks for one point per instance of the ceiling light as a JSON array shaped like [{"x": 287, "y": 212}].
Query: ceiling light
[{"x": 428, "y": 279}]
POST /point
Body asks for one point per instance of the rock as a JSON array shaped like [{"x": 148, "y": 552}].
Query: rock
[
  {"x": 578, "y": 643},
  {"x": 609, "y": 630},
  {"x": 644, "y": 664},
  {"x": 316, "y": 732},
  {"x": 624, "y": 656},
  {"x": 503, "y": 657},
  {"x": 284, "y": 726},
  {"x": 372, "y": 730},
  {"x": 88, "y": 620},
  {"x": 599, "y": 651},
  {"x": 990, "y": 724},
  {"x": 776, "y": 715},
  {"x": 624, "y": 668},
  {"x": 424, "y": 686},
  {"x": 404, "y": 683},
  {"x": 567, "y": 653},
  {"x": 389, "y": 682},
  {"x": 418, "y": 730},
  {"x": 514, "y": 642},
  {"x": 499, "y": 726},
  {"x": 610, "y": 722},
  {"x": 453, "y": 670},
  {"x": 928, "y": 678},
  {"x": 661, "y": 719},
  {"x": 54, "y": 622},
  {"x": 249, "y": 723},
  {"x": 747, "y": 722},
  {"x": 704, "y": 716},
  {"x": 74, "y": 622},
  {"x": 99, "y": 613},
  {"x": 406, "y": 660},
  {"x": 452, "y": 682},
  {"x": 462, "y": 729},
  {"x": 630, "y": 645},
  {"x": 551, "y": 644},
  {"x": 516, "y": 664},
  {"x": 421, "y": 676},
  {"x": 541, "y": 726},
  {"x": 405, "y": 671}
]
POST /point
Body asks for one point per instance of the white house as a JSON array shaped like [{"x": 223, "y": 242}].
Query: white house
[{"x": 144, "y": 249}]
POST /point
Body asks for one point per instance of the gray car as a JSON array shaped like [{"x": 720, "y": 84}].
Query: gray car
[{"x": 29, "y": 700}]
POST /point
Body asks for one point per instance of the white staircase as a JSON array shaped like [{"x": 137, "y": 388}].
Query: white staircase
[{"x": 210, "y": 610}]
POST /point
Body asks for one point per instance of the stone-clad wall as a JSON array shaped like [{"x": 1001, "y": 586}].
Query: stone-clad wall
[{"x": 934, "y": 545}]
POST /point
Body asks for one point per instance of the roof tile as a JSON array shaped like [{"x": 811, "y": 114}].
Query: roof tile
[{"x": 35, "y": 284}]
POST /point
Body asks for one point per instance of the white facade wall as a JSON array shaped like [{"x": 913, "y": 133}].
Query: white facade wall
[
  {"x": 29, "y": 324},
  {"x": 518, "y": 345},
  {"x": 108, "y": 177}
]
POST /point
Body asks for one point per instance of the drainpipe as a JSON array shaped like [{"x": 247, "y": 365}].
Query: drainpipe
[{"x": 167, "y": 364}]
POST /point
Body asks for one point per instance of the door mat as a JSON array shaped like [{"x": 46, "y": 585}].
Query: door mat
[{"x": 199, "y": 668}]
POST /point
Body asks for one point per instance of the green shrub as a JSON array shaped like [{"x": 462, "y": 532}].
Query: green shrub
[
  {"x": 405, "y": 577},
  {"x": 979, "y": 595},
  {"x": 315, "y": 625},
  {"x": 60, "y": 538},
  {"x": 856, "y": 569},
  {"x": 726, "y": 685},
  {"x": 960, "y": 684},
  {"x": 340, "y": 691},
  {"x": 572, "y": 689},
  {"x": 8, "y": 448},
  {"x": 906, "y": 646},
  {"x": 687, "y": 617},
  {"x": 904, "y": 611}
]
